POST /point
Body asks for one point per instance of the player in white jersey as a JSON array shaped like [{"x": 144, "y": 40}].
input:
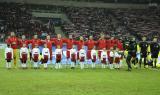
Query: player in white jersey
[
  {"x": 45, "y": 55},
  {"x": 82, "y": 57},
  {"x": 24, "y": 55},
  {"x": 73, "y": 56},
  {"x": 35, "y": 56},
  {"x": 104, "y": 58},
  {"x": 111, "y": 54},
  {"x": 94, "y": 57},
  {"x": 58, "y": 53},
  {"x": 117, "y": 57},
  {"x": 8, "y": 56}
]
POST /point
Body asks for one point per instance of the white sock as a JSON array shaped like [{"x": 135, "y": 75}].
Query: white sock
[
  {"x": 93, "y": 65},
  {"x": 7, "y": 65},
  {"x": 72, "y": 64},
  {"x": 111, "y": 66},
  {"x": 59, "y": 65},
  {"x": 102, "y": 65},
  {"x": 56, "y": 66},
  {"x": 45, "y": 65},
  {"x": 120, "y": 64},
  {"x": 35, "y": 64},
  {"x": 22, "y": 65},
  {"x": 82, "y": 65},
  {"x": 25, "y": 65},
  {"x": 87, "y": 65}
]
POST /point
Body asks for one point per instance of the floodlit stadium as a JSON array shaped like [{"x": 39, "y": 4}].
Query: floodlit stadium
[{"x": 79, "y": 47}]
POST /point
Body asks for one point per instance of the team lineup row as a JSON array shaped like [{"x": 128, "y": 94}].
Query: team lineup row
[{"x": 109, "y": 51}]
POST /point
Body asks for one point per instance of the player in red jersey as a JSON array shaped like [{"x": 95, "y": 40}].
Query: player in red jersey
[
  {"x": 79, "y": 44},
  {"x": 101, "y": 45},
  {"x": 23, "y": 41},
  {"x": 69, "y": 42},
  {"x": 58, "y": 41},
  {"x": 14, "y": 41},
  {"x": 35, "y": 41},
  {"x": 49, "y": 43},
  {"x": 90, "y": 44}
]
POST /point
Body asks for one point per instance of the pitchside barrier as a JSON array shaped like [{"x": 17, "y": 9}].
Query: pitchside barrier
[{"x": 3, "y": 45}]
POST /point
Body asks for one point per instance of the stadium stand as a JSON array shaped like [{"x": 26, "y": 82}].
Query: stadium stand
[
  {"x": 18, "y": 18},
  {"x": 84, "y": 21}
]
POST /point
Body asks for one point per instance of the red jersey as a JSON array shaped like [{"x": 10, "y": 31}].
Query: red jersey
[
  {"x": 101, "y": 44},
  {"x": 21, "y": 42},
  {"x": 49, "y": 43},
  {"x": 69, "y": 42},
  {"x": 13, "y": 41},
  {"x": 58, "y": 42},
  {"x": 120, "y": 45},
  {"x": 79, "y": 44},
  {"x": 108, "y": 44},
  {"x": 33, "y": 42},
  {"x": 90, "y": 44}
]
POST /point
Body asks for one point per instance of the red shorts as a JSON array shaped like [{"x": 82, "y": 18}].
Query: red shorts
[
  {"x": 94, "y": 59},
  {"x": 111, "y": 60},
  {"x": 9, "y": 57},
  {"x": 68, "y": 54},
  {"x": 89, "y": 54},
  {"x": 99, "y": 53},
  {"x": 24, "y": 58},
  {"x": 58, "y": 57},
  {"x": 73, "y": 57},
  {"x": 35, "y": 57},
  {"x": 45, "y": 59},
  {"x": 117, "y": 60},
  {"x": 77, "y": 55},
  {"x": 82, "y": 59},
  {"x": 104, "y": 61}
]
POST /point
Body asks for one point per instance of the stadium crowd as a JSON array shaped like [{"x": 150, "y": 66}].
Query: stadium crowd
[{"x": 18, "y": 18}]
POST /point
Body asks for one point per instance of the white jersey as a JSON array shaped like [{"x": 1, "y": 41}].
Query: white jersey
[
  {"x": 111, "y": 54},
  {"x": 24, "y": 50},
  {"x": 8, "y": 50},
  {"x": 58, "y": 51},
  {"x": 73, "y": 51},
  {"x": 45, "y": 51},
  {"x": 104, "y": 55},
  {"x": 93, "y": 53},
  {"x": 116, "y": 54},
  {"x": 82, "y": 53},
  {"x": 35, "y": 51}
]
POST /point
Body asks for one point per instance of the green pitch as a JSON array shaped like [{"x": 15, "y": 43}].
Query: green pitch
[{"x": 78, "y": 82}]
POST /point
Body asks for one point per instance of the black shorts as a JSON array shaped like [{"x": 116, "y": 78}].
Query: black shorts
[
  {"x": 143, "y": 54},
  {"x": 133, "y": 54},
  {"x": 58, "y": 61},
  {"x": 23, "y": 61},
  {"x": 154, "y": 54},
  {"x": 8, "y": 60}
]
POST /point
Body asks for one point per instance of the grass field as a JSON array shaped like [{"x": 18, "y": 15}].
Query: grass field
[{"x": 78, "y": 82}]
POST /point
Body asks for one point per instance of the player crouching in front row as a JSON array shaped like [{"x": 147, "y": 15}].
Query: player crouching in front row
[
  {"x": 58, "y": 53},
  {"x": 117, "y": 57},
  {"x": 45, "y": 55},
  {"x": 104, "y": 58},
  {"x": 8, "y": 56},
  {"x": 94, "y": 57},
  {"x": 35, "y": 56},
  {"x": 82, "y": 57},
  {"x": 24, "y": 55},
  {"x": 73, "y": 55}
]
